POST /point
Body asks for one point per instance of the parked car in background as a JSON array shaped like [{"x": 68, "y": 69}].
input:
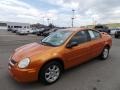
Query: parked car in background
[
  {"x": 9, "y": 29},
  {"x": 14, "y": 30},
  {"x": 46, "y": 33},
  {"x": 61, "y": 50},
  {"x": 40, "y": 33},
  {"x": 35, "y": 31},
  {"x": 102, "y": 28},
  {"x": 117, "y": 34},
  {"x": 22, "y": 32},
  {"x": 112, "y": 31},
  {"x": 31, "y": 31}
]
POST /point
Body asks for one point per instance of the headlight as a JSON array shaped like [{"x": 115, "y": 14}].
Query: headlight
[{"x": 24, "y": 63}]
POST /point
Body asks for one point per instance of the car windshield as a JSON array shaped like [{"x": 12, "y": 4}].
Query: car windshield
[{"x": 56, "y": 38}]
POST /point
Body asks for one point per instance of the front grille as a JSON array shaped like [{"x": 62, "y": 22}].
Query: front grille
[{"x": 12, "y": 63}]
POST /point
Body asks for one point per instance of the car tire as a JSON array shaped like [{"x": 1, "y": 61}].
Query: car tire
[
  {"x": 105, "y": 53},
  {"x": 38, "y": 35},
  {"x": 116, "y": 36},
  {"x": 50, "y": 73}
]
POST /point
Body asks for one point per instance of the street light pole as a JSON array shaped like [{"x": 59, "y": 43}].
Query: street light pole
[
  {"x": 73, "y": 12},
  {"x": 43, "y": 20},
  {"x": 94, "y": 21},
  {"x": 48, "y": 21}
]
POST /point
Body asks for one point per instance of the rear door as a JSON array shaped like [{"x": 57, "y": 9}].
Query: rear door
[{"x": 96, "y": 42}]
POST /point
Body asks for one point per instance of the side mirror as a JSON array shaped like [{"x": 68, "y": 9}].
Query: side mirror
[{"x": 72, "y": 44}]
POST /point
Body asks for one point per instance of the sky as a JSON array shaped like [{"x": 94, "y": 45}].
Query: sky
[{"x": 60, "y": 11}]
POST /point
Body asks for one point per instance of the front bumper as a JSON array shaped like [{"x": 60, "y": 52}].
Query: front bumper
[{"x": 22, "y": 75}]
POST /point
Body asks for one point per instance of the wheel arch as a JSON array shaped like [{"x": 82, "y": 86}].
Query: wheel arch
[
  {"x": 51, "y": 60},
  {"x": 108, "y": 46},
  {"x": 54, "y": 59}
]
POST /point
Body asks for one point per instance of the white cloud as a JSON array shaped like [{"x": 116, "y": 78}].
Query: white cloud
[
  {"x": 17, "y": 10},
  {"x": 64, "y": 4},
  {"x": 103, "y": 11}
]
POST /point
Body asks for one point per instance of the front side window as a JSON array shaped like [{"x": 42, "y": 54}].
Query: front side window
[
  {"x": 56, "y": 38},
  {"x": 80, "y": 37}
]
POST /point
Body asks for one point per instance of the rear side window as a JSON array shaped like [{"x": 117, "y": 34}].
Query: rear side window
[{"x": 94, "y": 34}]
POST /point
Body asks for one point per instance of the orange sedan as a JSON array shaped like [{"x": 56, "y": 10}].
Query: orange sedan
[{"x": 63, "y": 49}]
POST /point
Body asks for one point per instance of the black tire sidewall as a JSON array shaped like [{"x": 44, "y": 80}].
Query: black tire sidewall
[{"x": 43, "y": 70}]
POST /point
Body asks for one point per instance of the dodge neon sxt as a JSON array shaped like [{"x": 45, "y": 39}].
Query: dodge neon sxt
[{"x": 59, "y": 51}]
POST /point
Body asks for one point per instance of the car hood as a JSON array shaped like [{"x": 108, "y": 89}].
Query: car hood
[{"x": 29, "y": 50}]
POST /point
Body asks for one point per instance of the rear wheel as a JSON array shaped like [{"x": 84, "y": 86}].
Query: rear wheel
[
  {"x": 105, "y": 53},
  {"x": 50, "y": 73}
]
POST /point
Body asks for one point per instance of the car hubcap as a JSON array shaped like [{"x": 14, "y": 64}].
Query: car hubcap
[
  {"x": 52, "y": 73},
  {"x": 105, "y": 53}
]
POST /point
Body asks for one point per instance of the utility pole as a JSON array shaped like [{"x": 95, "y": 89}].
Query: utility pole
[
  {"x": 94, "y": 21},
  {"x": 43, "y": 20},
  {"x": 73, "y": 17},
  {"x": 48, "y": 21}
]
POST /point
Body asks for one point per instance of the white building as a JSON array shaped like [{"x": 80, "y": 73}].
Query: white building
[
  {"x": 3, "y": 26},
  {"x": 14, "y": 25}
]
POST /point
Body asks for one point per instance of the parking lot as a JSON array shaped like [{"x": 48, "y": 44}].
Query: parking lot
[{"x": 93, "y": 75}]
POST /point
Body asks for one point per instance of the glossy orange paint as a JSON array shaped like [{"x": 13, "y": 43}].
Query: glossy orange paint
[{"x": 40, "y": 54}]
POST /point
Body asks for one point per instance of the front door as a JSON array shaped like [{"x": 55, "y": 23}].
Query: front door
[{"x": 79, "y": 53}]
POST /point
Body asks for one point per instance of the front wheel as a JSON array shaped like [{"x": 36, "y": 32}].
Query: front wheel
[
  {"x": 116, "y": 36},
  {"x": 105, "y": 53},
  {"x": 50, "y": 73}
]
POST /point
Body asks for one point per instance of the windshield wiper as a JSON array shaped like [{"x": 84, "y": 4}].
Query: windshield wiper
[{"x": 47, "y": 43}]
